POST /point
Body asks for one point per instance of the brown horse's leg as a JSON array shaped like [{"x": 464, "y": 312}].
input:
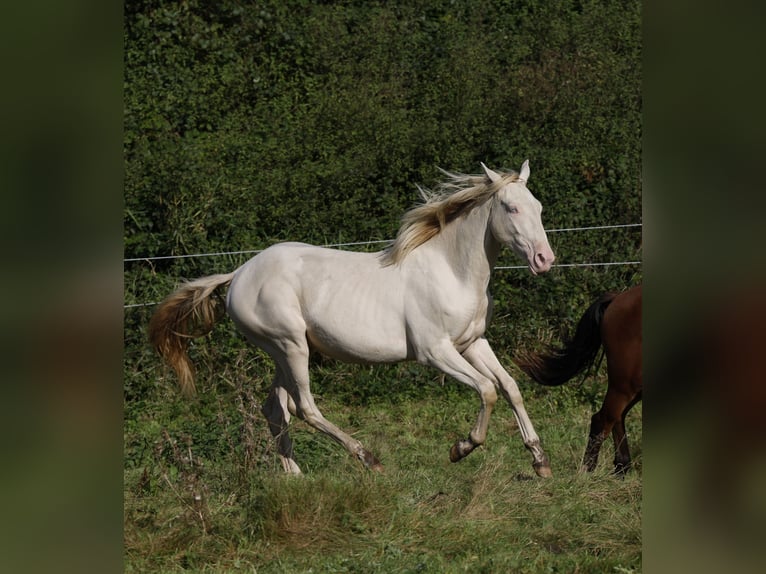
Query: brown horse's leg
[
  {"x": 622, "y": 461},
  {"x": 602, "y": 424},
  {"x": 621, "y": 448},
  {"x": 596, "y": 438}
]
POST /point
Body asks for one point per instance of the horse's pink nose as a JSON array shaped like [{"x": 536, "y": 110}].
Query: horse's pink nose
[{"x": 544, "y": 259}]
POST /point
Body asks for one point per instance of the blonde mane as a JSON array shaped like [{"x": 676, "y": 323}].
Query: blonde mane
[{"x": 451, "y": 199}]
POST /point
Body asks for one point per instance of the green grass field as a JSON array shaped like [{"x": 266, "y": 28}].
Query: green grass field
[{"x": 204, "y": 491}]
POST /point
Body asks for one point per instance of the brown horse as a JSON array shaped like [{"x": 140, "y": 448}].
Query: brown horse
[{"x": 614, "y": 321}]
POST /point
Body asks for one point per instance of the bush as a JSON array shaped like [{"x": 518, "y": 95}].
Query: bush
[{"x": 247, "y": 124}]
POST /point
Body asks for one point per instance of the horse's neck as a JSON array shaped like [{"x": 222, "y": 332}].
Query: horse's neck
[{"x": 469, "y": 246}]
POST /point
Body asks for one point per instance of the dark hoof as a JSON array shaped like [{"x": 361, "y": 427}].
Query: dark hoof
[{"x": 461, "y": 449}]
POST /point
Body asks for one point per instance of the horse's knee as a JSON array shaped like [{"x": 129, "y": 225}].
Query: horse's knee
[{"x": 489, "y": 396}]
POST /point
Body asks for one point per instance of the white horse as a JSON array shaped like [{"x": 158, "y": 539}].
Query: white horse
[{"x": 425, "y": 298}]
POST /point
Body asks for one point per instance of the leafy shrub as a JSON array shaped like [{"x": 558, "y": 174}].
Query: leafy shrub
[{"x": 251, "y": 123}]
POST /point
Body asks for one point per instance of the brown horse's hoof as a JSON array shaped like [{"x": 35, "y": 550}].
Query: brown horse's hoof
[{"x": 543, "y": 470}]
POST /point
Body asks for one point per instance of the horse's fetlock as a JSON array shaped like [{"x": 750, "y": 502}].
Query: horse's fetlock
[{"x": 533, "y": 445}]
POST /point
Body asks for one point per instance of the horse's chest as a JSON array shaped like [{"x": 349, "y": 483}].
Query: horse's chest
[{"x": 472, "y": 325}]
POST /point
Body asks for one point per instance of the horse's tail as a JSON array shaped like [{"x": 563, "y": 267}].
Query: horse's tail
[
  {"x": 557, "y": 366},
  {"x": 191, "y": 311}
]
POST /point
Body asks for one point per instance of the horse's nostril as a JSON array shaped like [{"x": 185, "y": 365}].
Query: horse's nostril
[{"x": 542, "y": 259}]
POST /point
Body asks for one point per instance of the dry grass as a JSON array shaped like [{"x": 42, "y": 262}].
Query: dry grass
[{"x": 487, "y": 513}]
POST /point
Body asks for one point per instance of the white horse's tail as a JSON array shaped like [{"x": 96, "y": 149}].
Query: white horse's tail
[{"x": 191, "y": 311}]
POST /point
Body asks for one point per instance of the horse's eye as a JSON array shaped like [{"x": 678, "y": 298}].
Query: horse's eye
[{"x": 510, "y": 208}]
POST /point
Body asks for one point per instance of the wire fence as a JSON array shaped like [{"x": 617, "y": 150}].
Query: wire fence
[
  {"x": 354, "y": 244},
  {"x": 388, "y": 241}
]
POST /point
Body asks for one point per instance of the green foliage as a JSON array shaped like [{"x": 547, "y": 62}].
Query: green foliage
[
  {"x": 295, "y": 120},
  {"x": 251, "y": 123}
]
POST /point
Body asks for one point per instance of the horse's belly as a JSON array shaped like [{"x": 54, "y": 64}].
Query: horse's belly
[
  {"x": 357, "y": 345},
  {"x": 354, "y": 312}
]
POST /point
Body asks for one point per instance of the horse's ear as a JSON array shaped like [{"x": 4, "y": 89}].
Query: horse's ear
[
  {"x": 493, "y": 177},
  {"x": 524, "y": 173}
]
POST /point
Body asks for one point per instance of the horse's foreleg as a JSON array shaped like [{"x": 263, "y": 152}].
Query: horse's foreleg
[
  {"x": 481, "y": 356},
  {"x": 449, "y": 361}
]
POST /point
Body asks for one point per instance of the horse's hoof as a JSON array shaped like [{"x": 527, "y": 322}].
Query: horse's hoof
[
  {"x": 371, "y": 461},
  {"x": 543, "y": 470},
  {"x": 461, "y": 449}
]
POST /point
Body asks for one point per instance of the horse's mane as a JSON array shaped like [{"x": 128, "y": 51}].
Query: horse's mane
[{"x": 451, "y": 199}]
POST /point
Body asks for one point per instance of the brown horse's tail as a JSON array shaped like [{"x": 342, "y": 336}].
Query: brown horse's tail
[
  {"x": 557, "y": 366},
  {"x": 191, "y": 311}
]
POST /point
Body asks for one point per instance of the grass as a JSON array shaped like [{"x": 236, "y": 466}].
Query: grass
[{"x": 204, "y": 491}]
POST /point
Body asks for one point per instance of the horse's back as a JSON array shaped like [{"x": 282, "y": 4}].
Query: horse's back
[
  {"x": 296, "y": 266},
  {"x": 345, "y": 304}
]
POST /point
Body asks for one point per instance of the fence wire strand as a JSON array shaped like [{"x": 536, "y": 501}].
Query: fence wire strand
[
  {"x": 352, "y": 244},
  {"x": 377, "y": 242}
]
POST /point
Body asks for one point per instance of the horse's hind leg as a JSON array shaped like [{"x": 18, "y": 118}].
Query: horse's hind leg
[
  {"x": 277, "y": 409},
  {"x": 621, "y": 448},
  {"x": 622, "y": 460},
  {"x": 296, "y": 361},
  {"x": 601, "y": 425}
]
